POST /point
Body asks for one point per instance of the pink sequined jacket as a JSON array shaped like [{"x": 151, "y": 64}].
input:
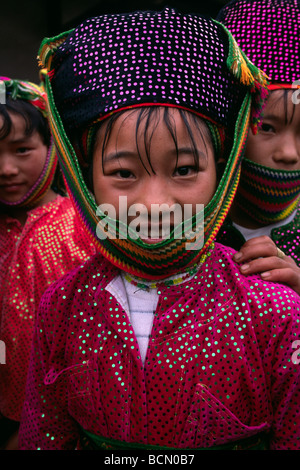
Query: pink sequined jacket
[
  {"x": 32, "y": 256},
  {"x": 220, "y": 366}
]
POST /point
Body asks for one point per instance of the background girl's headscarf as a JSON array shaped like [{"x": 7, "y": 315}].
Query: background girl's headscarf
[
  {"x": 115, "y": 62},
  {"x": 268, "y": 31},
  {"x": 35, "y": 95}
]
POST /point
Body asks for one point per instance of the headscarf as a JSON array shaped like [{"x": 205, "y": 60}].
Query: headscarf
[
  {"x": 35, "y": 95},
  {"x": 122, "y": 61},
  {"x": 268, "y": 32}
]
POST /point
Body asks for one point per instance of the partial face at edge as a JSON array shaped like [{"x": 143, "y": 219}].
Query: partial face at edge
[
  {"x": 277, "y": 144},
  {"x": 22, "y": 159}
]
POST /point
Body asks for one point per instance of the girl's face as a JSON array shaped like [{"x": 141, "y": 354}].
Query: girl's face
[
  {"x": 124, "y": 170},
  {"x": 277, "y": 144},
  {"x": 22, "y": 159}
]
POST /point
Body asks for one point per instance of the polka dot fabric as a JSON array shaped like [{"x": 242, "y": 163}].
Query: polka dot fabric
[
  {"x": 219, "y": 368},
  {"x": 117, "y": 61},
  {"x": 287, "y": 238},
  {"x": 32, "y": 257},
  {"x": 268, "y": 32}
]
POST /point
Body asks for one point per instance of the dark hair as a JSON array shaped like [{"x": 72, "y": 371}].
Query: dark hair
[
  {"x": 147, "y": 114},
  {"x": 285, "y": 96},
  {"x": 34, "y": 120}
]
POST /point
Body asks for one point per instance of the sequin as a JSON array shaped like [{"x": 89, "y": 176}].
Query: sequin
[
  {"x": 32, "y": 257},
  {"x": 224, "y": 375},
  {"x": 272, "y": 41}
]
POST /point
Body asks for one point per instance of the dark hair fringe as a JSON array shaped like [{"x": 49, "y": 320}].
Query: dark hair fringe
[
  {"x": 84, "y": 143},
  {"x": 286, "y": 99},
  {"x": 34, "y": 120}
]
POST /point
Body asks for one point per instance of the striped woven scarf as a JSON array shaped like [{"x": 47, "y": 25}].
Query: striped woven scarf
[{"x": 266, "y": 194}]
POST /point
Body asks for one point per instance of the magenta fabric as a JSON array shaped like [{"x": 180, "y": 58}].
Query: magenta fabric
[
  {"x": 218, "y": 368},
  {"x": 268, "y": 32},
  {"x": 50, "y": 244}
]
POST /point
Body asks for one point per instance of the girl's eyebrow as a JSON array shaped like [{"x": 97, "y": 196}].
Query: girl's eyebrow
[
  {"x": 273, "y": 117},
  {"x": 119, "y": 155},
  {"x": 130, "y": 154},
  {"x": 21, "y": 140},
  {"x": 190, "y": 151}
]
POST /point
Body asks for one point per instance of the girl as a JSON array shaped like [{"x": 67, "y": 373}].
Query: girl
[
  {"x": 157, "y": 341},
  {"x": 39, "y": 235},
  {"x": 266, "y": 209}
]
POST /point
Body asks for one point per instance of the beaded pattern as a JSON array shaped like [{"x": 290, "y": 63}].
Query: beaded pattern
[
  {"x": 32, "y": 257},
  {"x": 287, "y": 237},
  {"x": 268, "y": 32},
  {"x": 218, "y": 369},
  {"x": 142, "y": 58},
  {"x": 170, "y": 282}
]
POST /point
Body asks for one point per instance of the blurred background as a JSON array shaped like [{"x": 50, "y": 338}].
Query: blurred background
[{"x": 24, "y": 24}]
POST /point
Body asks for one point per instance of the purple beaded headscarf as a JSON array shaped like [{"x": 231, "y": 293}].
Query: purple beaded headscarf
[
  {"x": 122, "y": 61},
  {"x": 268, "y": 32}
]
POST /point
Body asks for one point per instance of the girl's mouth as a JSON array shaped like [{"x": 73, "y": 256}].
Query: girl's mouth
[
  {"x": 154, "y": 234},
  {"x": 11, "y": 188}
]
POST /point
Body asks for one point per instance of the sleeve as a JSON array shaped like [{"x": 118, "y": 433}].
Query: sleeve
[{"x": 45, "y": 422}]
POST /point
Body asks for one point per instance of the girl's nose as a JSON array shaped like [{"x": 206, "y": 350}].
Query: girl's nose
[
  {"x": 288, "y": 151},
  {"x": 156, "y": 193},
  {"x": 8, "y": 167}
]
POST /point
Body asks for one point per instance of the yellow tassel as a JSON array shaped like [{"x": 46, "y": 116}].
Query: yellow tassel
[
  {"x": 48, "y": 47},
  {"x": 240, "y": 68}
]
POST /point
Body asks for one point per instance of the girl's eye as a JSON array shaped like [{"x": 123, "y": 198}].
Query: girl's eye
[
  {"x": 125, "y": 174},
  {"x": 185, "y": 170},
  {"x": 23, "y": 150},
  {"x": 267, "y": 127}
]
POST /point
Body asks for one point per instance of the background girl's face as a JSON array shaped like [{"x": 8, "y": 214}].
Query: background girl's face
[
  {"x": 170, "y": 177},
  {"x": 22, "y": 160},
  {"x": 277, "y": 144}
]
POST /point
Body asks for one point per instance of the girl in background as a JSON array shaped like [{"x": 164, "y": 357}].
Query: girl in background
[
  {"x": 266, "y": 210},
  {"x": 40, "y": 236}
]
